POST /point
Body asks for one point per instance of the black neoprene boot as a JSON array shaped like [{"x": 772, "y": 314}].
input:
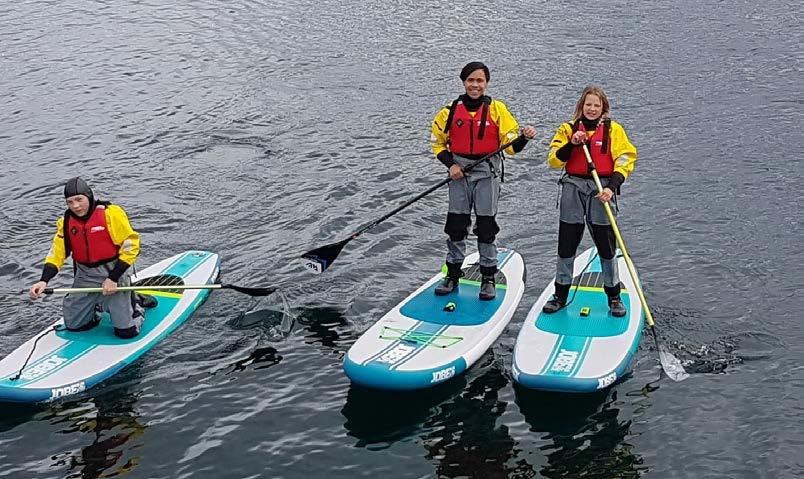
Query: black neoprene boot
[
  {"x": 450, "y": 282},
  {"x": 488, "y": 291},
  {"x": 146, "y": 301},
  {"x": 559, "y": 299},
  {"x": 616, "y": 306}
]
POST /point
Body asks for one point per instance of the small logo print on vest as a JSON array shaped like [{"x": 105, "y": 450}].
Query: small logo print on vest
[
  {"x": 73, "y": 230},
  {"x": 96, "y": 229},
  {"x": 459, "y": 123},
  {"x": 598, "y": 142}
]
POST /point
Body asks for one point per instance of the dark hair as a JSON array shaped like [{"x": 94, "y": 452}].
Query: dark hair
[{"x": 472, "y": 66}]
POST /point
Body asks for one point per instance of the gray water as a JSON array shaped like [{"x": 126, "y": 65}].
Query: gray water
[{"x": 260, "y": 130}]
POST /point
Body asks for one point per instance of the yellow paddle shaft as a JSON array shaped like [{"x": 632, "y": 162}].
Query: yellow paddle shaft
[
  {"x": 620, "y": 242},
  {"x": 134, "y": 288}
]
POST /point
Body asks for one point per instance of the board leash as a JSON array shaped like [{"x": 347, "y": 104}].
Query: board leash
[{"x": 33, "y": 348}]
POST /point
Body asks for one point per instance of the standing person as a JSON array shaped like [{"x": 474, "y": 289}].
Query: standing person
[
  {"x": 103, "y": 246},
  {"x": 471, "y": 127},
  {"x": 614, "y": 157}
]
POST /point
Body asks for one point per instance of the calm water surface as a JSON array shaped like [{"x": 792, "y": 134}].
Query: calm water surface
[{"x": 260, "y": 130}]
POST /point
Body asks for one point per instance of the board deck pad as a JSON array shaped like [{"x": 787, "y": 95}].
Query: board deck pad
[
  {"x": 581, "y": 347},
  {"x": 422, "y": 342},
  {"x": 69, "y": 362}
]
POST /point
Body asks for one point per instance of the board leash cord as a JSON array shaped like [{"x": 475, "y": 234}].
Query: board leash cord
[{"x": 33, "y": 348}]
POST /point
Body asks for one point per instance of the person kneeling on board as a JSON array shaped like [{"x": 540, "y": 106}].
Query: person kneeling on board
[
  {"x": 614, "y": 158},
  {"x": 471, "y": 127},
  {"x": 99, "y": 237}
]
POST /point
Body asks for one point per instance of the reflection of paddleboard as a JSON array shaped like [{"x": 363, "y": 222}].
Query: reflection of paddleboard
[
  {"x": 581, "y": 347},
  {"x": 68, "y": 362},
  {"x": 427, "y": 339}
]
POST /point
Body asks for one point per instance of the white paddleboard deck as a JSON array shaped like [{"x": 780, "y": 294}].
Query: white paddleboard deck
[
  {"x": 420, "y": 343},
  {"x": 569, "y": 352},
  {"x": 67, "y": 362}
]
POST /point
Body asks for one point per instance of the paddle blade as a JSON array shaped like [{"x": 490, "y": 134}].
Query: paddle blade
[
  {"x": 250, "y": 291},
  {"x": 671, "y": 365},
  {"x": 319, "y": 259}
]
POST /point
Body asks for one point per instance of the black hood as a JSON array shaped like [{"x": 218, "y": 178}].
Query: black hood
[{"x": 77, "y": 186}]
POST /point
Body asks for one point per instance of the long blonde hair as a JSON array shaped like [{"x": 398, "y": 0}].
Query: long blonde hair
[{"x": 598, "y": 92}]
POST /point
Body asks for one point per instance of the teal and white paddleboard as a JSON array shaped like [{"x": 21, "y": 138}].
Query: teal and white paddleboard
[
  {"x": 66, "y": 362},
  {"x": 427, "y": 339},
  {"x": 582, "y": 347}
]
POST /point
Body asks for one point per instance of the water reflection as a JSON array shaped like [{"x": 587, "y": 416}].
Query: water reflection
[
  {"x": 326, "y": 326},
  {"x": 465, "y": 439},
  {"x": 588, "y": 438},
  {"x": 259, "y": 358},
  {"x": 402, "y": 414},
  {"x": 456, "y": 422},
  {"x": 110, "y": 422}
]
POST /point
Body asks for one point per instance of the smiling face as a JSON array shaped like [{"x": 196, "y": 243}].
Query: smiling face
[
  {"x": 78, "y": 205},
  {"x": 476, "y": 84},
  {"x": 592, "y": 107}
]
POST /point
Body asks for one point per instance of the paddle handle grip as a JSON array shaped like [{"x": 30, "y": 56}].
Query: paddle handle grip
[{"x": 620, "y": 243}]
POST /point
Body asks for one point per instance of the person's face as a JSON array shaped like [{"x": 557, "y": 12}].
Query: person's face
[
  {"x": 78, "y": 204},
  {"x": 475, "y": 84},
  {"x": 592, "y": 107}
]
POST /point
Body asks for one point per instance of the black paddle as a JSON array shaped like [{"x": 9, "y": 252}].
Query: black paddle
[{"x": 319, "y": 259}]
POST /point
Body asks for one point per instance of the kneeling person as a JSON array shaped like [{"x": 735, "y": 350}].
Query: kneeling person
[{"x": 98, "y": 236}]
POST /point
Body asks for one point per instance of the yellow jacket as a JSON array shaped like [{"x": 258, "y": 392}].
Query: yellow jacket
[
  {"x": 622, "y": 151},
  {"x": 498, "y": 112},
  {"x": 119, "y": 229}
]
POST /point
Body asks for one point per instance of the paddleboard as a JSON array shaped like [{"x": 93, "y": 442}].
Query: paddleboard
[
  {"x": 427, "y": 339},
  {"x": 64, "y": 363},
  {"x": 581, "y": 347}
]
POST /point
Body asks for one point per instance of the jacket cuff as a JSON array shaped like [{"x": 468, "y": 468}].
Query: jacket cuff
[
  {"x": 565, "y": 151},
  {"x": 49, "y": 271},
  {"x": 615, "y": 181},
  {"x": 118, "y": 270},
  {"x": 445, "y": 157},
  {"x": 519, "y": 144}
]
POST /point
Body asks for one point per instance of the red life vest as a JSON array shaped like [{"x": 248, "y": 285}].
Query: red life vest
[
  {"x": 89, "y": 240},
  {"x": 465, "y": 132},
  {"x": 598, "y": 149}
]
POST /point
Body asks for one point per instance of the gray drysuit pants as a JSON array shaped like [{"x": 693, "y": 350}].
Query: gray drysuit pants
[
  {"x": 81, "y": 309},
  {"x": 479, "y": 190},
  {"x": 578, "y": 206}
]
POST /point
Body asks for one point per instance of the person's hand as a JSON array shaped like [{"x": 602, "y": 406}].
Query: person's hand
[
  {"x": 109, "y": 287},
  {"x": 605, "y": 195},
  {"x": 37, "y": 289},
  {"x": 528, "y": 132},
  {"x": 456, "y": 172},
  {"x": 578, "y": 137}
]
